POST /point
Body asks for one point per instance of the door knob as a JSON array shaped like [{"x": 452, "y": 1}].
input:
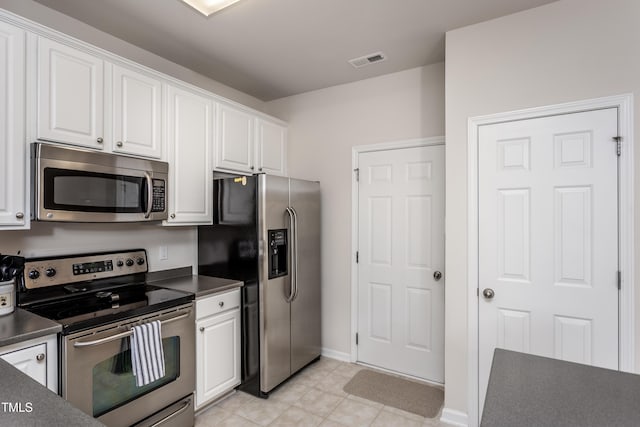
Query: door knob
[
  {"x": 40, "y": 357},
  {"x": 437, "y": 275},
  {"x": 488, "y": 293}
]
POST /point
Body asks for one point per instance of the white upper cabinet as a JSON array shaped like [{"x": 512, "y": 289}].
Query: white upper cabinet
[
  {"x": 70, "y": 95},
  {"x": 137, "y": 113},
  {"x": 271, "y": 147},
  {"x": 235, "y": 151},
  {"x": 247, "y": 143},
  {"x": 13, "y": 190},
  {"x": 189, "y": 143}
]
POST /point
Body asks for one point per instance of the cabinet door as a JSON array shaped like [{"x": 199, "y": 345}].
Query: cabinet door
[
  {"x": 217, "y": 356},
  {"x": 31, "y": 360},
  {"x": 189, "y": 154},
  {"x": 271, "y": 147},
  {"x": 70, "y": 95},
  {"x": 235, "y": 140},
  {"x": 137, "y": 104},
  {"x": 13, "y": 192}
]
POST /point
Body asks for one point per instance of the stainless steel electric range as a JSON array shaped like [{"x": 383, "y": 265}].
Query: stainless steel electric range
[{"x": 98, "y": 298}]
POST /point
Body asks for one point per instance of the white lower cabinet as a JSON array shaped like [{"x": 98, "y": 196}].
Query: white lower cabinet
[
  {"x": 38, "y": 358},
  {"x": 217, "y": 346}
]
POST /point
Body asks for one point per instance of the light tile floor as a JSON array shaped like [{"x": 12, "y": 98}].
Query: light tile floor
[{"x": 313, "y": 397}]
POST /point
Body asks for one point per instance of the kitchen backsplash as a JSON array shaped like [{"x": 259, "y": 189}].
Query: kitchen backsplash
[{"x": 167, "y": 247}]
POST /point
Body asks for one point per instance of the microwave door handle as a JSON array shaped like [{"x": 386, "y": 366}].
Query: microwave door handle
[{"x": 147, "y": 176}]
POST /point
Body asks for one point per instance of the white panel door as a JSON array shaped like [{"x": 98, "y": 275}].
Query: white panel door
[
  {"x": 137, "y": 112},
  {"x": 70, "y": 95},
  {"x": 235, "y": 139},
  {"x": 401, "y": 254},
  {"x": 548, "y": 239},
  {"x": 189, "y": 145},
  {"x": 13, "y": 190}
]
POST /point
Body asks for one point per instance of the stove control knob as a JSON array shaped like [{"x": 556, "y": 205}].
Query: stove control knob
[
  {"x": 129, "y": 262},
  {"x": 50, "y": 272},
  {"x": 140, "y": 261},
  {"x": 120, "y": 263},
  {"x": 34, "y": 274}
]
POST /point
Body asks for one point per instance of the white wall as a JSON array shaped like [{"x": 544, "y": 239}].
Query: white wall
[
  {"x": 565, "y": 51},
  {"x": 323, "y": 127}
]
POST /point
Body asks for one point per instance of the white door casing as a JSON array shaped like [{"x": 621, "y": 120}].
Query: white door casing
[
  {"x": 400, "y": 306},
  {"x": 548, "y": 239}
]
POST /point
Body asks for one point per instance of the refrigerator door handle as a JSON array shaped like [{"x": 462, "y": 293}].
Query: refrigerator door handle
[
  {"x": 292, "y": 253},
  {"x": 295, "y": 253}
]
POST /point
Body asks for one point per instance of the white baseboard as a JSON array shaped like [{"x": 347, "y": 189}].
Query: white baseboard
[
  {"x": 455, "y": 418},
  {"x": 338, "y": 355}
]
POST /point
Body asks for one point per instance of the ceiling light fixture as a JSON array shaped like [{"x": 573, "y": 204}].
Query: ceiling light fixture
[{"x": 209, "y": 7}]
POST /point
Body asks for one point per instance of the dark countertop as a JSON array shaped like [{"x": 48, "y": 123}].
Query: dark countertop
[
  {"x": 22, "y": 325},
  {"x": 527, "y": 390},
  {"x": 201, "y": 286},
  {"x": 18, "y": 393}
]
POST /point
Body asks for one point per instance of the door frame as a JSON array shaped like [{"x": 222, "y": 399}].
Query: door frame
[
  {"x": 355, "y": 152},
  {"x": 624, "y": 104}
]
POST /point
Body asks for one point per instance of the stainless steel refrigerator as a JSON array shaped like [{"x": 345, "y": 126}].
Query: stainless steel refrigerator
[{"x": 266, "y": 232}]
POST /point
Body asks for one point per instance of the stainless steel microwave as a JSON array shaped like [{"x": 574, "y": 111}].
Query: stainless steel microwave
[{"x": 75, "y": 185}]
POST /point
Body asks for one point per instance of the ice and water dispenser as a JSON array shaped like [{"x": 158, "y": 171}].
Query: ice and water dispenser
[{"x": 278, "y": 253}]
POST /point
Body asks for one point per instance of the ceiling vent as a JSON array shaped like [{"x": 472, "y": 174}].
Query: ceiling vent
[{"x": 369, "y": 59}]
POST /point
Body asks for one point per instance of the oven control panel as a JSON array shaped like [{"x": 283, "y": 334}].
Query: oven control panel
[{"x": 64, "y": 270}]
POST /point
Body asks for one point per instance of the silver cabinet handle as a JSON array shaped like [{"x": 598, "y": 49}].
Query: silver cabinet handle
[
  {"x": 119, "y": 143},
  {"x": 201, "y": 328},
  {"x": 19, "y": 215},
  {"x": 173, "y": 216},
  {"x": 260, "y": 169},
  {"x": 40, "y": 357},
  {"x": 99, "y": 140},
  {"x": 221, "y": 304},
  {"x": 251, "y": 167},
  {"x": 488, "y": 293},
  {"x": 437, "y": 275}
]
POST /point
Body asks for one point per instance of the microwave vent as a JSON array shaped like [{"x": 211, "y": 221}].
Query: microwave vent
[{"x": 369, "y": 59}]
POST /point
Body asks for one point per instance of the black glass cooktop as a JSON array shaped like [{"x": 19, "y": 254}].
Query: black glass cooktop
[{"x": 84, "y": 307}]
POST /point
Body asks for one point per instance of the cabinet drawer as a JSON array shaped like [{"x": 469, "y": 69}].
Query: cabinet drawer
[{"x": 217, "y": 303}]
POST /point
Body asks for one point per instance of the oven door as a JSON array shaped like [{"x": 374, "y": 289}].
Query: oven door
[{"x": 96, "y": 369}]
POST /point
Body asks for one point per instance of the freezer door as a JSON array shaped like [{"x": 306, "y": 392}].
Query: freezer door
[
  {"x": 275, "y": 322},
  {"x": 304, "y": 198}
]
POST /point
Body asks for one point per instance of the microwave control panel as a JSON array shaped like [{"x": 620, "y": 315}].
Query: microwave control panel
[{"x": 159, "y": 196}]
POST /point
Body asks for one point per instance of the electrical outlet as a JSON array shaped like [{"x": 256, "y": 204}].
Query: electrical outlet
[{"x": 164, "y": 253}]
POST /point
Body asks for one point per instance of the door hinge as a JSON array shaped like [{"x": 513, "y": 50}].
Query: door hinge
[
  {"x": 619, "y": 279},
  {"x": 618, "y": 140},
  {"x": 357, "y": 172},
  {"x": 477, "y": 292},
  {"x": 357, "y": 257},
  {"x": 356, "y": 338}
]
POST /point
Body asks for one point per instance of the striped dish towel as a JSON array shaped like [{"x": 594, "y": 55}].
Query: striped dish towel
[{"x": 147, "y": 356}]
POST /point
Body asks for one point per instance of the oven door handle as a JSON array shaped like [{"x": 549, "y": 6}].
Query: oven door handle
[{"x": 123, "y": 334}]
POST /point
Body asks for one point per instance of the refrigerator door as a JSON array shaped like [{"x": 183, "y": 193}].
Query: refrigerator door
[
  {"x": 275, "y": 322},
  {"x": 304, "y": 198}
]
